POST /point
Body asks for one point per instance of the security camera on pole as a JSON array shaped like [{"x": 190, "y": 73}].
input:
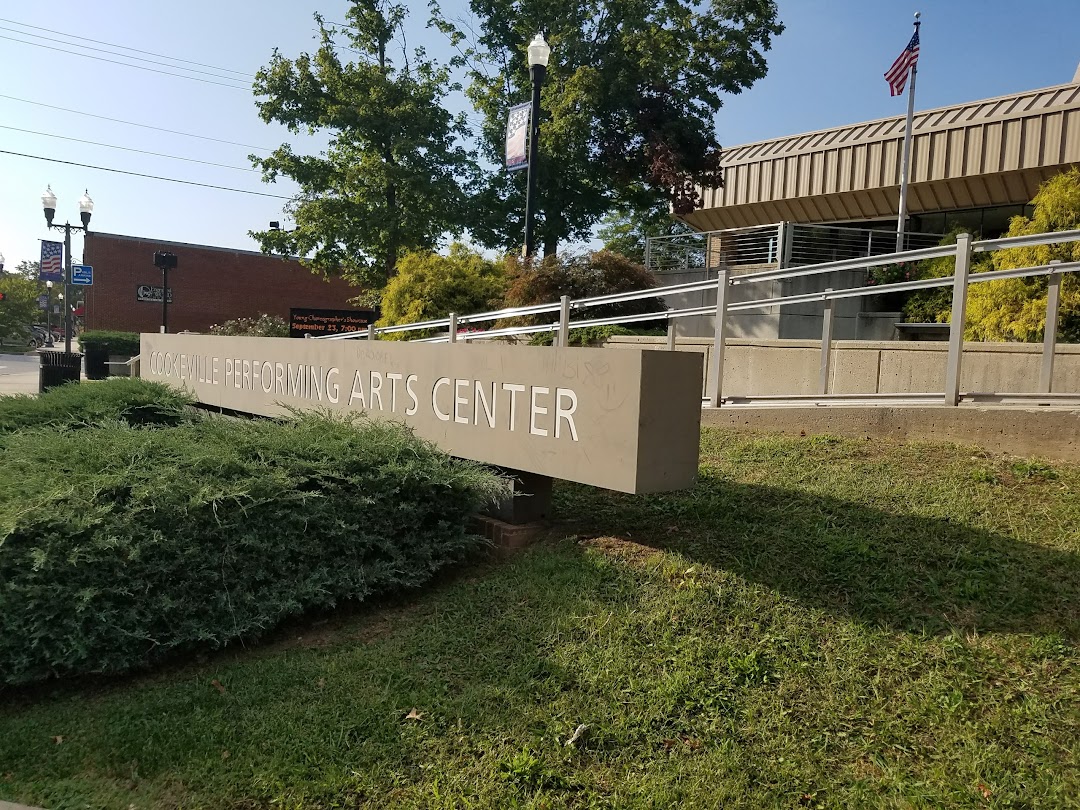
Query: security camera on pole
[{"x": 165, "y": 262}]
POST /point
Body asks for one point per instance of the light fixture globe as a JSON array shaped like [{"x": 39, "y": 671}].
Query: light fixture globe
[
  {"x": 539, "y": 51},
  {"x": 48, "y": 202},
  {"x": 86, "y": 208}
]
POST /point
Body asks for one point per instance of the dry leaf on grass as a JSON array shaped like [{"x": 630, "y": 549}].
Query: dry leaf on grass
[
  {"x": 217, "y": 685},
  {"x": 414, "y": 715}
]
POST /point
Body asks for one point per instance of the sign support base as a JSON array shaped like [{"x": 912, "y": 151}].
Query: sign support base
[{"x": 528, "y": 499}]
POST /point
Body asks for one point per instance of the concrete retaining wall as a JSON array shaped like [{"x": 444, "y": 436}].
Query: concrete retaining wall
[
  {"x": 1052, "y": 433},
  {"x": 790, "y": 367}
]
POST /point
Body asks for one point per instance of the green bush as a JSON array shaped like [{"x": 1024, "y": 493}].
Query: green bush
[
  {"x": 111, "y": 342},
  {"x": 135, "y": 402},
  {"x": 263, "y": 326},
  {"x": 429, "y": 286},
  {"x": 599, "y": 273},
  {"x": 119, "y": 547}
]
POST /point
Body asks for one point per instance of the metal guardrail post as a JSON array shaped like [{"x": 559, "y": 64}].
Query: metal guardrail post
[
  {"x": 453, "y": 327},
  {"x": 670, "y": 335},
  {"x": 564, "y": 322},
  {"x": 959, "y": 315},
  {"x": 826, "y": 345},
  {"x": 1053, "y": 297},
  {"x": 716, "y": 365},
  {"x": 371, "y": 331}
]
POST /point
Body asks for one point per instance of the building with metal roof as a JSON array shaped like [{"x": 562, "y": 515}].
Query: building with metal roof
[{"x": 974, "y": 164}]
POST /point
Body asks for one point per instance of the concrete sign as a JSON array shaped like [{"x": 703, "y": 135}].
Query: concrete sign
[{"x": 624, "y": 419}]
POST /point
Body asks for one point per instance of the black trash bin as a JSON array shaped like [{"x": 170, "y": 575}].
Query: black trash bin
[
  {"x": 97, "y": 356},
  {"x": 58, "y": 368}
]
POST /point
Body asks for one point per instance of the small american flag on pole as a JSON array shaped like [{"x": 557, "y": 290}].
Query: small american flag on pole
[
  {"x": 52, "y": 256},
  {"x": 517, "y": 129},
  {"x": 897, "y": 75}
]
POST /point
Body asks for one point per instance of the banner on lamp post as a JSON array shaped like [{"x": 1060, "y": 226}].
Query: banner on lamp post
[{"x": 517, "y": 137}]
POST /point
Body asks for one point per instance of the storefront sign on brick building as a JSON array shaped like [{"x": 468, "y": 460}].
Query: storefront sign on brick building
[{"x": 146, "y": 292}]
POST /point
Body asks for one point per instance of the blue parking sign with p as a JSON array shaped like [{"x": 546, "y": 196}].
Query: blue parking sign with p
[{"x": 82, "y": 274}]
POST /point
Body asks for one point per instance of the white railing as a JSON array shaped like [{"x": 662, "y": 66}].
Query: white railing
[
  {"x": 725, "y": 281},
  {"x": 783, "y": 244}
]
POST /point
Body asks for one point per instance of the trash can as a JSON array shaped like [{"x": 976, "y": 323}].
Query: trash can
[
  {"x": 97, "y": 355},
  {"x": 58, "y": 368}
]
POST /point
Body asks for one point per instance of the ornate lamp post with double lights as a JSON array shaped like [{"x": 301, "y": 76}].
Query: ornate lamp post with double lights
[
  {"x": 86, "y": 208},
  {"x": 539, "y": 52}
]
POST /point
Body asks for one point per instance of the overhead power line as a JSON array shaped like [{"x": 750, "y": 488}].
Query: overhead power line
[
  {"x": 129, "y": 149},
  {"x": 148, "y": 176},
  {"x": 216, "y": 75},
  {"x": 128, "y": 64},
  {"x": 134, "y": 124},
  {"x": 125, "y": 47}
]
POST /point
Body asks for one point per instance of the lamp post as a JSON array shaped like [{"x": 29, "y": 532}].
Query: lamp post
[
  {"x": 86, "y": 208},
  {"x": 539, "y": 51},
  {"x": 48, "y": 309}
]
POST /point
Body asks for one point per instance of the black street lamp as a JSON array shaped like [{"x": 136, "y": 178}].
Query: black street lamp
[
  {"x": 48, "y": 308},
  {"x": 539, "y": 51},
  {"x": 86, "y": 208}
]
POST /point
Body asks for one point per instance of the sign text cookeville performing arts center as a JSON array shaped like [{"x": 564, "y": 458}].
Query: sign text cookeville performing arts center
[{"x": 625, "y": 419}]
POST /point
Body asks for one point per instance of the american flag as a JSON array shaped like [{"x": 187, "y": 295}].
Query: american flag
[
  {"x": 897, "y": 75},
  {"x": 52, "y": 257},
  {"x": 517, "y": 128}
]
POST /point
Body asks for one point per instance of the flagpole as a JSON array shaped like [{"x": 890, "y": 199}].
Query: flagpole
[{"x": 905, "y": 164}]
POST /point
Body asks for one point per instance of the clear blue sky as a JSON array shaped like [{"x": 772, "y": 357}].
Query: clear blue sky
[{"x": 825, "y": 70}]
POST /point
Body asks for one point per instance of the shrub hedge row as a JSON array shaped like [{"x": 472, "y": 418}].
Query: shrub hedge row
[
  {"x": 121, "y": 546},
  {"x": 110, "y": 342},
  {"x": 123, "y": 399}
]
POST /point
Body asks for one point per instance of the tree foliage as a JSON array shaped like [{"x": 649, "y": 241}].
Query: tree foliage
[
  {"x": 599, "y": 273},
  {"x": 1015, "y": 309},
  {"x": 626, "y": 230},
  {"x": 19, "y": 307},
  {"x": 28, "y": 269},
  {"x": 391, "y": 178},
  {"x": 430, "y": 286},
  {"x": 629, "y": 103}
]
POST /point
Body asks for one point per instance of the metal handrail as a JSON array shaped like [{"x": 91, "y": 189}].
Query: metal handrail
[{"x": 747, "y": 278}]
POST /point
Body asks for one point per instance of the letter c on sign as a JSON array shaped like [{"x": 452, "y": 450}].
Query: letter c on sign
[{"x": 445, "y": 417}]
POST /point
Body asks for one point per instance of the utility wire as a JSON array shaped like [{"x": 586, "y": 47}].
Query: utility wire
[
  {"x": 121, "y": 55},
  {"x": 148, "y": 176},
  {"x": 132, "y": 123},
  {"x": 124, "y": 47},
  {"x": 128, "y": 64},
  {"x": 128, "y": 149}
]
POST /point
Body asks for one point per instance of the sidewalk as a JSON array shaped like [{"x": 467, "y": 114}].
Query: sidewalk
[{"x": 18, "y": 375}]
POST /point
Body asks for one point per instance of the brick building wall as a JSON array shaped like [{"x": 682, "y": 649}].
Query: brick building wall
[{"x": 209, "y": 286}]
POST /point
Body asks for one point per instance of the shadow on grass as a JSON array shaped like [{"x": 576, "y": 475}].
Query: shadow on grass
[{"x": 893, "y": 570}]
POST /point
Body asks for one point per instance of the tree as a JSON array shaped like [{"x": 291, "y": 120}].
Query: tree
[
  {"x": 626, "y": 231},
  {"x": 19, "y": 307},
  {"x": 430, "y": 286},
  {"x": 632, "y": 91},
  {"x": 391, "y": 179},
  {"x": 28, "y": 269},
  {"x": 1015, "y": 309}
]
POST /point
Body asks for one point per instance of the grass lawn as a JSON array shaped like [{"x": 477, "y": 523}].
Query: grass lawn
[{"x": 819, "y": 623}]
